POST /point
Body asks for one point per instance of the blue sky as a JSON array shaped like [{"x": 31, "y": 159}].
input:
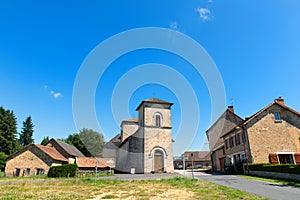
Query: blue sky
[{"x": 254, "y": 44}]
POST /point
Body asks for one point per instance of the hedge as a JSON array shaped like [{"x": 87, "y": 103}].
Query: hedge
[
  {"x": 286, "y": 168},
  {"x": 65, "y": 170}
]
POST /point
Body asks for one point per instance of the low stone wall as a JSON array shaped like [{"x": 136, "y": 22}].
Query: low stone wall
[{"x": 275, "y": 175}]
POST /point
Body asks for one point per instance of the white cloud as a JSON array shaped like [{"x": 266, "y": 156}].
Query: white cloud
[
  {"x": 209, "y": 1},
  {"x": 173, "y": 25},
  {"x": 204, "y": 13},
  {"x": 56, "y": 95}
]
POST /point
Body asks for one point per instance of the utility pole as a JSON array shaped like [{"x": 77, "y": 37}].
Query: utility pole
[
  {"x": 192, "y": 165},
  {"x": 183, "y": 162},
  {"x": 96, "y": 166}
]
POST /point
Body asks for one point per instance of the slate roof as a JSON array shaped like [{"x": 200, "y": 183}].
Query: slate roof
[
  {"x": 114, "y": 142},
  {"x": 154, "y": 101},
  {"x": 69, "y": 149},
  {"x": 229, "y": 116}
]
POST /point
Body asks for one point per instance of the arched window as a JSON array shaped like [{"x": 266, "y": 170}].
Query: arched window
[{"x": 157, "y": 120}]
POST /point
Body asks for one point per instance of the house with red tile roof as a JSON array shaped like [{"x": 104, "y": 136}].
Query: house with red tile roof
[{"x": 34, "y": 159}]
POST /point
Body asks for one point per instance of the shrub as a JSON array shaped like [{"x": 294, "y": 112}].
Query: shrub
[
  {"x": 65, "y": 170},
  {"x": 286, "y": 168}
]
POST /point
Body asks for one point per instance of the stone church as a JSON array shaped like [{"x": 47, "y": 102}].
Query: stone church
[{"x": 144, "y": 144}]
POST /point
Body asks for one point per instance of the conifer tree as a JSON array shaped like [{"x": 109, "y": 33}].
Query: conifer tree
[
  {"x": 26, "y": 136},
  {"x": 8, "y": 131}
]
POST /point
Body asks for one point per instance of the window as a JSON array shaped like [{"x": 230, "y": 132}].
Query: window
[
  {"x": 39, "y": 171},
  {"x": 237, "y": 139},
  {"x": 230, "y": 142},
  {"x": 286, "y": 158},
  {"x": 28, "y": 171},
  {"x": 17, "y": 172},
  {"x": 227, "y": 143},
  {"x": 241, "y": 138},
  {"x": 233, "y": 141},
  {"x": 276, "y": 116},
  {"x": 157, "y": 120},
  {"x": 243, "y": 158}
]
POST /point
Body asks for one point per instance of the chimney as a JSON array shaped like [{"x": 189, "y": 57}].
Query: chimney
[
  {"x": 231, "y": 108},
  {"x": 279, "y": 100}
]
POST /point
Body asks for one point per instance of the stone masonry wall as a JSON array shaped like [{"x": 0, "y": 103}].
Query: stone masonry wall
[
  {"x": 128, "y": 129},
  {"x": 32, "y": 158},
  {"x": 157, "y": 137},
  {"x": 269, "y": 136},
  {"x": 24, "y": 161},
  {"x": 150, "y": 120}
]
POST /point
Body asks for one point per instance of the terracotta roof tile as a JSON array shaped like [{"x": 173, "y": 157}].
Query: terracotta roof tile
[
  {"x": 91, "y": 162},
  {"x": 52, "y": 152}
]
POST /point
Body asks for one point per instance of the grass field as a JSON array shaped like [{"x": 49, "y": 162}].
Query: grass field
[{"x": 175, "y": 188}]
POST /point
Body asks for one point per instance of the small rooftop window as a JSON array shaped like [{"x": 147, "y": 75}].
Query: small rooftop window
[{"x": 276, "y": 116}]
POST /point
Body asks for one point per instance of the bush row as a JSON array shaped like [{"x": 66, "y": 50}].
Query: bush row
[
  {"x": 287, "y": 168},
  {"x": 65, "y": 170}
]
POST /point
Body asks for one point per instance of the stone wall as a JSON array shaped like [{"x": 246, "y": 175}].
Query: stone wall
[
  {"x": 149, "y": 115},
  {"x": 130, "y": 154},
  {"x": 128, "y": 129},
  {"x": 225, "y": 123},
  {"x": 216, "y": 156},
  {"x": 269, "y": 136},
  {"x": 158, "y": 138},
  {"x": 29, "y": 160}
]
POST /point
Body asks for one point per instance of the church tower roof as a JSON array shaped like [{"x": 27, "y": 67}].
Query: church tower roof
[{"x": 154, "y": 101}]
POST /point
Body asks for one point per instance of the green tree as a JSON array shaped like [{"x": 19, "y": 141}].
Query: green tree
[
  {"x": 26, "y": 136},
  {"x": 45, "y": 140},
  {"x": 93, "y": 141},
  {"x": 2, "y": 160},
  {"x": 8, "y": 132},
  {"x": 74, "y": 139}
]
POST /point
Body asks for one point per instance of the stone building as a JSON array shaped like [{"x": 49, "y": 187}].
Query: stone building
[
  {"x": 35, "y": 159},
  {"x": 271, "y": 135},
  {"x": 68, "y": 151},
  {"x": 197, "y": 159},
  {"x": 144, "y": 144},
  {"x": 223, "y": 124}
]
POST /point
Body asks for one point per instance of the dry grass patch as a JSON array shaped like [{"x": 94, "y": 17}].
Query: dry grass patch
[{"x": 175, "y": 188}]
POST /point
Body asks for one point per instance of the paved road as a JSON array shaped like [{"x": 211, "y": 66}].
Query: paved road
[{"x": 260, "y": 188}]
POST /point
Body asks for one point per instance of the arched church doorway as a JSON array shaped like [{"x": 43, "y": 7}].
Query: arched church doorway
[{"x": 158, "y": 161}]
